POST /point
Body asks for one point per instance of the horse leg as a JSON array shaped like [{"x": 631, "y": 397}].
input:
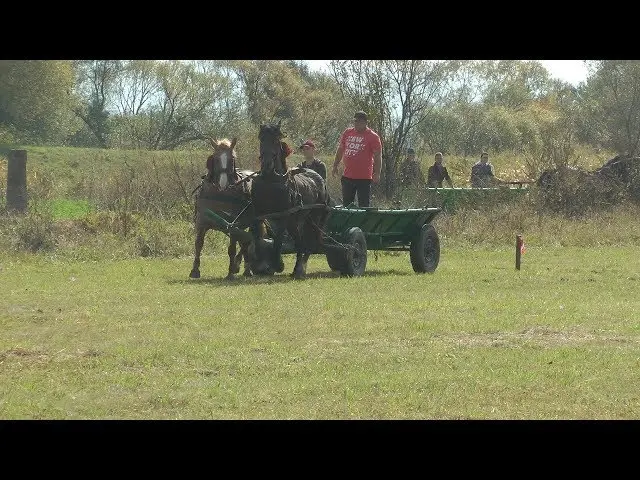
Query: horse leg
[
  {"x": 258, "y": 263},
  {"x": 234, "y": 266},
  {"x": 195, "y": 270},
  {"x": 238, "y": 258},
  {"x": 302, "y": 256},
  {"x": 244, "y": 251},
  {"x": 302, "y": 253},
  {"x": 277, "y": 261}
]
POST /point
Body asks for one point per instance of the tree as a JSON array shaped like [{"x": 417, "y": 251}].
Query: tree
[
  {"x": 611, "y": 104},
  {"x": 271, "y": 89},
  {"x": 180, "y": 113},
  {"x": 308, "y": 103},
  {"x": 96, "y": 81},
  {"x": 34, "y": 98},
  {"x": 513, "y": 83},
  {"x": 398, "y": 95}
]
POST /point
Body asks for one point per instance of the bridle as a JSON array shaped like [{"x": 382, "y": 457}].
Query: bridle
[
  {"x": 217, "y": 170},
  {"x": 279, "y": 156}
]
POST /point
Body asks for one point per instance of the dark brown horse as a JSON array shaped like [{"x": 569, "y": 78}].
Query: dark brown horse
[
  {"x": 276, "y": 190},
  {"x": 226, "y": 191}
]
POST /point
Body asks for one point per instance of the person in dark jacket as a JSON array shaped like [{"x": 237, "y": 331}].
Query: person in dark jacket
[
  {"x": 308, "y": 149},
  {"x": 482, "y": 175},
  {"x": 437, "y": 173},
  {"x": 410, "y": 171}
]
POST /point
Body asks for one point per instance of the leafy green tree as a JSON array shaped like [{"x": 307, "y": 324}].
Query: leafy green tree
[
  {"x": 35, "y": 100},
  {"x": 513, "y": 83},
  {"x": 96, "y": 81},
  {"x": 309, "y": 103},
  {"x": 610, "y": 103},
  {"x": 399, "y": 95},
  {"x": 164, "y": 105}
]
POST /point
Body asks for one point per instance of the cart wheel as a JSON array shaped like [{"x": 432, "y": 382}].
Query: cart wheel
[
  {"x": 425, "y": 250},
  {"x": 335, "y": 258},
  {"x": 355, "y": 257}
]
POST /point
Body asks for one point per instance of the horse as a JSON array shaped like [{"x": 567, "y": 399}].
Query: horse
[
  {"x": 277, "y": 189},
  {"x": 225, "y": 190}
]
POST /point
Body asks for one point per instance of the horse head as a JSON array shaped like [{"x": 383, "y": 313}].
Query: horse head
[
  {"x": 222, "y": 163},
  {"x": 273, "y": 151}
]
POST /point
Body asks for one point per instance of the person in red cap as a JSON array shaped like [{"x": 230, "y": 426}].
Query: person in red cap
[
  {"x": 361, "y": 150},
  {"x": 308, "y": 149}
]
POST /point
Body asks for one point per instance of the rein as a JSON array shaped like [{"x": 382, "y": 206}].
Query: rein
[{"x": 233, "y": 185}]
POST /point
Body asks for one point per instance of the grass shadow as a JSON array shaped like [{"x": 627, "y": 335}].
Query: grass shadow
[{"x": 278, "y": 278}]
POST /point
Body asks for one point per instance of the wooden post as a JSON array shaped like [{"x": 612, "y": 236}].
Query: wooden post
[
  {"x": 17, "y": 181},
  {"x": 518, "y": 250}
]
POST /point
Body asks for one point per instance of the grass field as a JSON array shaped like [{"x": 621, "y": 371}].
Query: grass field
[
  {"x": 69, "y": 170},
  {"x": 99, "y": 319},
  {"x": 136, "y": 339}
]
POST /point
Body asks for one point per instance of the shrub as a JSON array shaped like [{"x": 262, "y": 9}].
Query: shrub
[{"x": 32, "y": 232}]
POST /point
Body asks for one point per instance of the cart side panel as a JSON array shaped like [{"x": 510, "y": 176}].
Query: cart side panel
[{"x": 382, "y": 227}]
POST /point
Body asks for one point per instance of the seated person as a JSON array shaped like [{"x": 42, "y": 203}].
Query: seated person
[
  {"x": 482, "y": 175},
  {"x": 310, "y": 161},
  {"x": 410, "y": 172},
  {"x": 437, "y": 173}
]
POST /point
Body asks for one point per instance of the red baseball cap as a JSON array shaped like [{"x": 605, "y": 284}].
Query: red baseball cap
[{"x": 308, "y": 143}]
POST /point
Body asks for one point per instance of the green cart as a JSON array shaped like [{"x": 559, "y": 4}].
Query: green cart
[
  {"x": 351, "y": 231},
  {"x": 452, "y": 198}
]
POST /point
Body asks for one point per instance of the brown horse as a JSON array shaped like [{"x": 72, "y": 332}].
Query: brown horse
[{"x": 226, "y": 191}]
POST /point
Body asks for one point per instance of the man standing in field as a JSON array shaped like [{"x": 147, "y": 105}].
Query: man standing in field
[{"x": 361, "y": 149}]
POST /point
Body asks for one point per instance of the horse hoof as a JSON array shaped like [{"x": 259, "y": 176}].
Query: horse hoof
[
  {"x": 230, "y": 277},
  {"x": 194, "y": 274},
  {"x": 298, "y": 276}
]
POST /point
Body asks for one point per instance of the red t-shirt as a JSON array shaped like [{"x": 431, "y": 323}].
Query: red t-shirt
[{"x": 358, "y": 149}]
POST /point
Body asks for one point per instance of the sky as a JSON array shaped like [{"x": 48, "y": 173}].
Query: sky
[{"x": 571, "y": 71}]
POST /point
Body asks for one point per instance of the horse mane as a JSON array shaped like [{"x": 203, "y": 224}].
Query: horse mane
[
  {"x": 225, "y": 142},
  {"x": 287, "y": 151}
]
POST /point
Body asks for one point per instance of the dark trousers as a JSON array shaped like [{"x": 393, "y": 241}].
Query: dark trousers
[{"x": 351, "y": 186}]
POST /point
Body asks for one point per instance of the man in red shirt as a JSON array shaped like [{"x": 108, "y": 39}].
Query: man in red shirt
[{"x": 361, "y": 149}]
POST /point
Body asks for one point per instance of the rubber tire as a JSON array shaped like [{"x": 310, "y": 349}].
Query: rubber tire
[
  {"x": 425, "y": 250},
  {"x": 336, "y": 259},
  {"x": 355, "y": 262}
]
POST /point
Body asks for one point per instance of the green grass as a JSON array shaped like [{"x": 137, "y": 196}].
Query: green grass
[
  {"x": 91, "y": 330},
  {"x": 65, "y": 209},
  {"x": 67, "y": 166},
  {"x": 477, "y": 339}
]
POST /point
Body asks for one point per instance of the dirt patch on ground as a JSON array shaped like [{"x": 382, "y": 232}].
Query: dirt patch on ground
[
  {"x": 39, "y": 356},
  {"x": 541, "y": 336}
]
